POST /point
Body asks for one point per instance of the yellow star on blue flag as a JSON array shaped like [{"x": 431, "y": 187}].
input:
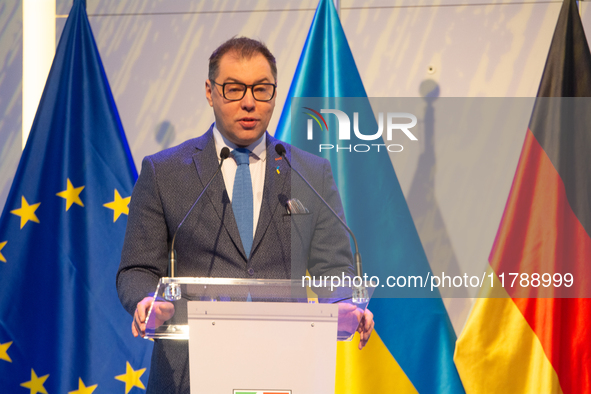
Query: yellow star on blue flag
[
  {"x": 2, "y": 245},
  {"x": 82, "y": 389},
  {"x": 131, "y": 378},
  {"x": 4, "y": 351},
  {"x": 71, "y": 195},
  {"x": 36, "y": 383},
  {"x": 119, "y": 206},
  {"x": 26, "y": 212}
]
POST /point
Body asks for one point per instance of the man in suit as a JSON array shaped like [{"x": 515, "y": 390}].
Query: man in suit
[{"x": 239, "y": 229}]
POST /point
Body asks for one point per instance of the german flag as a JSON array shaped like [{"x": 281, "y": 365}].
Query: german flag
[{"x": 532, "y": 332}]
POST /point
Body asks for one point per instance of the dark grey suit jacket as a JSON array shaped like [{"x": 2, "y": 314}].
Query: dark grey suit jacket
[{"x": 209, "y": 245}]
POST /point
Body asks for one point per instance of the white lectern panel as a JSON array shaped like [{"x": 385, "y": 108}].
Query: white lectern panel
[{"x": 257, "y": 346}]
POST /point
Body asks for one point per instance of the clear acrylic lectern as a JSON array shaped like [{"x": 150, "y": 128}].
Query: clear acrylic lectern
[{"x": 179, "y": 291}]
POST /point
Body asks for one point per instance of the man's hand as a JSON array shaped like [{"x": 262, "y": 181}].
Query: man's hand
[
  {"x": 353, "y": 319},
  {"x": 162, "y": 312},
  {"x": 365, "y": 328}
]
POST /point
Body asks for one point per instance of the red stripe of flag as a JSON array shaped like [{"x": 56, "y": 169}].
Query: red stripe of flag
[{"x": 539, "y": 232}]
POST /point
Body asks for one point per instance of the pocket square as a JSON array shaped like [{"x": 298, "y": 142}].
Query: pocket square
[{"x": 295, "y": 207}]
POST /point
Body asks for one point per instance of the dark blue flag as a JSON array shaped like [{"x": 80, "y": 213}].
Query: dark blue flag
[{"x": 62, "y": 327}]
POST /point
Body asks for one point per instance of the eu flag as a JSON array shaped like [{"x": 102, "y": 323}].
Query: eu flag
[{"x": 62, "y": 328}]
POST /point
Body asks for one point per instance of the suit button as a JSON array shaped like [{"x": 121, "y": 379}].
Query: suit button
[{"x": 250, "y": 272}]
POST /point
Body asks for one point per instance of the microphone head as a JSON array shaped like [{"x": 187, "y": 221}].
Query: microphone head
[
  {"x": 225, "y": 153},
  {"x": 280, "y": 149}
]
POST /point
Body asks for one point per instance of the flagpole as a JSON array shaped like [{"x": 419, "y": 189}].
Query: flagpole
[{"x": 337, "y": 5}]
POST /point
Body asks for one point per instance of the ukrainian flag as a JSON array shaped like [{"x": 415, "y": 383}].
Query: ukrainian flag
[{"x": 412, "y": 347}]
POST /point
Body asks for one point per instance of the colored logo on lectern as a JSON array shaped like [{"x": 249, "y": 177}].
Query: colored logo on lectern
[{"x": 262, "y": 391}]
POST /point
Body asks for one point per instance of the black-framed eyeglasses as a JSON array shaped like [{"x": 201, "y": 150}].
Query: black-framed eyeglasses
[{"x": 234, "y": 91}]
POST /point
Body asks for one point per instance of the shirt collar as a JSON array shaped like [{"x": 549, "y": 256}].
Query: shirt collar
[{"x": 258, "y": 148}]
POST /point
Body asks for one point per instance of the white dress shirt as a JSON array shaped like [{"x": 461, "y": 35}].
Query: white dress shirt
[{"x": 257, "y": 159}]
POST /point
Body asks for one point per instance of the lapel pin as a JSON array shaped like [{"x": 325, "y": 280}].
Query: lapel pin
[
  {"x": 278, "y": 170},
  {"x": 278, "y": 158}
]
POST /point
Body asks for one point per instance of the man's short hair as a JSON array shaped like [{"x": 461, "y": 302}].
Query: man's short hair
[{"x": 243, "y": 47}]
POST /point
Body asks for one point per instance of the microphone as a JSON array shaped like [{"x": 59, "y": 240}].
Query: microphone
[
  {"x": 173, "y": 290},
  {"x": 360, "y": 294}
]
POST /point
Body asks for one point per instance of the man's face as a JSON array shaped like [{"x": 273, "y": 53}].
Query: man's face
[{"x": 243, "y": 121}]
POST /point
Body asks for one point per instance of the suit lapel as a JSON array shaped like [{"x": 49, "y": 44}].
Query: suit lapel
[
  {"x": 206, "y": 163},
  {"x": 275, "y": 192}
]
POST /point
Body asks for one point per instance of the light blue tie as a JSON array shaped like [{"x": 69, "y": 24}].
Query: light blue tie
[{"x": 242, "y": 198}]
